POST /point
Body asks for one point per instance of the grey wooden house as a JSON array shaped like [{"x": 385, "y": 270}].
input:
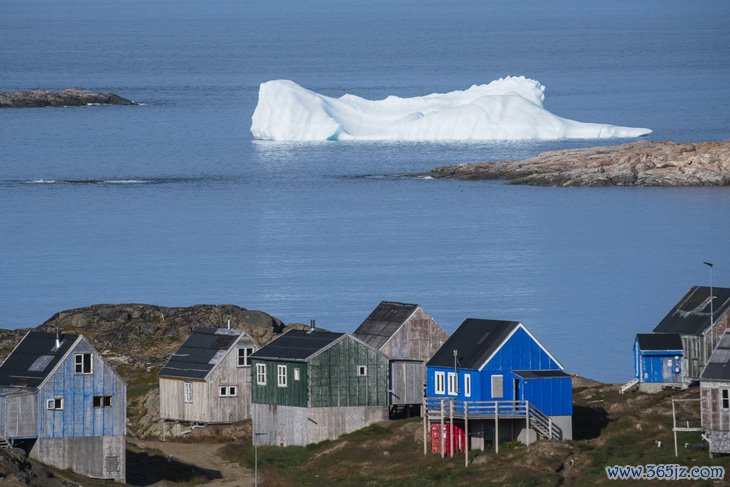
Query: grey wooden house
[
  {"x": 310, "y": 386},
  {"x": 700, "y": 332},
  {"x": 208, "y": 379},
  {"x": 61, "y": 400},
  {"x": 715, "y": 398},
  {"x": 409, "y": 337}
]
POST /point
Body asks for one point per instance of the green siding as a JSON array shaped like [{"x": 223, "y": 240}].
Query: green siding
[
  {"x": 334, "y": 380},
  {"x": 295, "y": 392}
]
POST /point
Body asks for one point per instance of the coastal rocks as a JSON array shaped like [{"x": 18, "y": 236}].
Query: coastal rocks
[
  {"x": 642, "y": 163},
  {"x": 67, "y": 98}
]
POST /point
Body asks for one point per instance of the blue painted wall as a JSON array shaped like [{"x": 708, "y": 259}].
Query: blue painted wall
[
  {"x": 553, "y": 396},
  {"x": 658, "y": 366},
  {"x": 79, "y": 417}
]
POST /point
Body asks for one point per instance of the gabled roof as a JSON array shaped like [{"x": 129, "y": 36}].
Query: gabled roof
[
  {"x": 475, "y": 341},
  {"x": 691, "y": 315},
  {"x": 34, "y": 358},
  {"x": 200, "y": 353},
  {"x": 383, "y": 322},
  {"x": 540, "y": 374},
  {"x": 718, "y": 367},
  {"x": 297, "y": 345},
  {"x": 659, "y": 341}
]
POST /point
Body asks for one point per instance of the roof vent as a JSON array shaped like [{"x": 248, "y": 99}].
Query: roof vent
[
  {"x": 312, "y": 326},
  {"x": 58, "y": 342}
]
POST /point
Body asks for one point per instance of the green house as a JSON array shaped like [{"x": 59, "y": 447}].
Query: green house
[{"x": 309, "y": 386}]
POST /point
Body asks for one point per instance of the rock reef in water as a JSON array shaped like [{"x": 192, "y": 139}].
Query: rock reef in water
[
  {"x": 66, "y": 98},
  {"x": 642, "y": 163},
  {"x": 506, "y": 109}
]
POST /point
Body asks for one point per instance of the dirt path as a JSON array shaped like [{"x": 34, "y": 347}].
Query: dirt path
[{"x": 203, "y": 455}]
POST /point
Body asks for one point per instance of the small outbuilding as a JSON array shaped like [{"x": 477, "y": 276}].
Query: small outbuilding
[
  {"x": 64, "y": 403},
  {"x": 715, "y": 397},
  {"x": 408, "y": 336},
  {"x": 208, "y": 379},
  {"x": 311, "y": 386},
  {"x": 658, "y": 361},
  {"x": 496, "y": 381}
]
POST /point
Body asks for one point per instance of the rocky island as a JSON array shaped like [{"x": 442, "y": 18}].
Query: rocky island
[
  {"x": 66, "y": 98},
  {"x": 643, "y": 163}
]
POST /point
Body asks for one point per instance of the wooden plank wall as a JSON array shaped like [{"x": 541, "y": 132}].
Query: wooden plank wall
[
  {"x": 418, "y": 339},
  {"x": 407, "y": 379},
  {"x": 713, "y": 416},
  {"x": 296, "y": 393},
  {"x": 22, "y": 416}
]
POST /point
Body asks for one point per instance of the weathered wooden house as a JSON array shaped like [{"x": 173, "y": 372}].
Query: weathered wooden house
[
  {"x": 208, "y": 379},
  {"x": 497, "y": 382},
  {"x": 715, "y": 397},
  {"x": 310, "y": 386},
  {"x": 66, "y": 404},
  {"x": 700, "y": 332},
  {"x": 409, "y": 337},
  {"x": 658, "y": 361}
]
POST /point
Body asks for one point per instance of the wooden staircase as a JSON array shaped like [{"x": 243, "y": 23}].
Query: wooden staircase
[
  {"x": 5, "y": 442},
  {"x": 628, "y": 385}
]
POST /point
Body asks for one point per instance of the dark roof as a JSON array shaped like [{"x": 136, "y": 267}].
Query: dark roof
[
  {"x": 691, "y": 315},
  {"x": 296, "y": 345},
  {"x": 718, "y": 367},
  {"x": 475, "y": 340},
  {"x": 200, "y": 353},
  {"x": 659, "y": 341},
  {"x": 34, "y": 358},
  {"x": 540, "y": 374},
  {"x": 383, "y": 322}
]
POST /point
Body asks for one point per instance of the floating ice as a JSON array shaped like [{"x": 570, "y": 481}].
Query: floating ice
[{"x": 506, "y": 109}]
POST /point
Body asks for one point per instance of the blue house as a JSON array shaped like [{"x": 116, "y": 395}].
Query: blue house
[
  {"x": 658, "y": 361},
  {"x": 64, "y": 403},
  {"x": 508, "y": 384}
]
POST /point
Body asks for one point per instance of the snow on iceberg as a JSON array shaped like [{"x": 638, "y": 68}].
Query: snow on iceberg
[{"x": 506, "y": 109}]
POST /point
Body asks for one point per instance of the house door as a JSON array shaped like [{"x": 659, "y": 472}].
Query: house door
[{"x": 516, "y": 390}]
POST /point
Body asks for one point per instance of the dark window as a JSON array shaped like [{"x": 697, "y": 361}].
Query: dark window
[
  {"x": 102, "y": 401},
  {"x": 56, "y": 403},
  {"x": 726, "y": 399},
  {"x": 82, "y": 363},
  {"x": 243, "y": 356}
]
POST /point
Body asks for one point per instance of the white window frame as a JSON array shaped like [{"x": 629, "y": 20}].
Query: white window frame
[
  {"x": 247, "y": 351},
  {"x": 227, "y": 391},
  {"x": 297, "y": 375},
  {"x": 452, "y": 383},
  {"x": 51, "y": 404},
  {"x": 439, "y": 380},
  {"x": 362, "y": 370},
  {"x": 725, "y": 399},
  {"x": 281, "y": 376},
  {"x": 222, "y": 391},
  {"x": 188, "y": 392},
  {"x": 232, "y": 391},
  {"x": 80, "y": 363},
  {"x": 467, "y": 385},
  {"x": 261, "y": 374},
  {"x": 495, "y": 377}
]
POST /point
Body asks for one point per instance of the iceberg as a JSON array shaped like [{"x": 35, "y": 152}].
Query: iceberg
[{"x": 509, "y": 108}]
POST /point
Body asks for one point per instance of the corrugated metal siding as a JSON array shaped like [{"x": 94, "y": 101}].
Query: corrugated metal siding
[
  {"x": 79, "y": 417},
  {"x": 294, "y": 394},
  {"x": 334, "y": 380}
]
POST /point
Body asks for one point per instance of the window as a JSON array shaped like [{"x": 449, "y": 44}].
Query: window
[
  {"x": 281, "y": 375},
  {"x": 726, "y": 398},
  {"x": 261, "y": 374},
  {"x": 439, "y": 387},
  {"x": 83, "y": 363},
  {"x": 669, "y": 362},
  {"x": 453, "y": 387},
  {"x": 55, "y": 404},
  {"x": 188, "y": 392},
  {"x": 362, "y": 370},
  {"x": 102, "y": 401},
  {"x": 243, "y": 355},
  {"x": 227, "y": 391},
  {"x": 467, "y": 385},
  {"x": 497, "y": 388},
  {"x": 296, "y": 373}
]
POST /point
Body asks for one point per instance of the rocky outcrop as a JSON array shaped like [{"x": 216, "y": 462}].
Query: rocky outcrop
[
  {"x": 66, "y": 98},
  {"x": 16, "y": 471},
  {"x": 643, "y": 163}
]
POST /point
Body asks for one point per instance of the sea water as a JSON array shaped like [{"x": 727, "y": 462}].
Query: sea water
[{"x": 173, "y": 203}]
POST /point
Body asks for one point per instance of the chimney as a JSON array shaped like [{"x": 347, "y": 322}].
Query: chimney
[
  {"x": 229, "y": 324},
  {"x": 312, "y": 325},
  {"x": 58, "y": 340}
]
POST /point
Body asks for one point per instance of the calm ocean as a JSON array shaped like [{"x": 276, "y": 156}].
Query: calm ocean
[{"x": 172, "y": 203}]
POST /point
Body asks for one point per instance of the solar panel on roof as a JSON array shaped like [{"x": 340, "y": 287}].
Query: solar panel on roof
[
  {"x": 40, "y": 364},
  {"x": 720, "y": 355}
]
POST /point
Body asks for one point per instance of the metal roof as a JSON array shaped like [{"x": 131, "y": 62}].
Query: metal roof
[
  {"x": 691, "y": 315},
  {"x": 200, "y": 353},
  {"x": 475, "y": 341},
  {"x": 659, "y": 341},
  {"x": 718, "y": 367},
  {"x": 34, "y": 358},
  {"x": 383, "y": 322},
  {"x": 297, "y": 345},
  {"x": 540, "y": 374}
]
